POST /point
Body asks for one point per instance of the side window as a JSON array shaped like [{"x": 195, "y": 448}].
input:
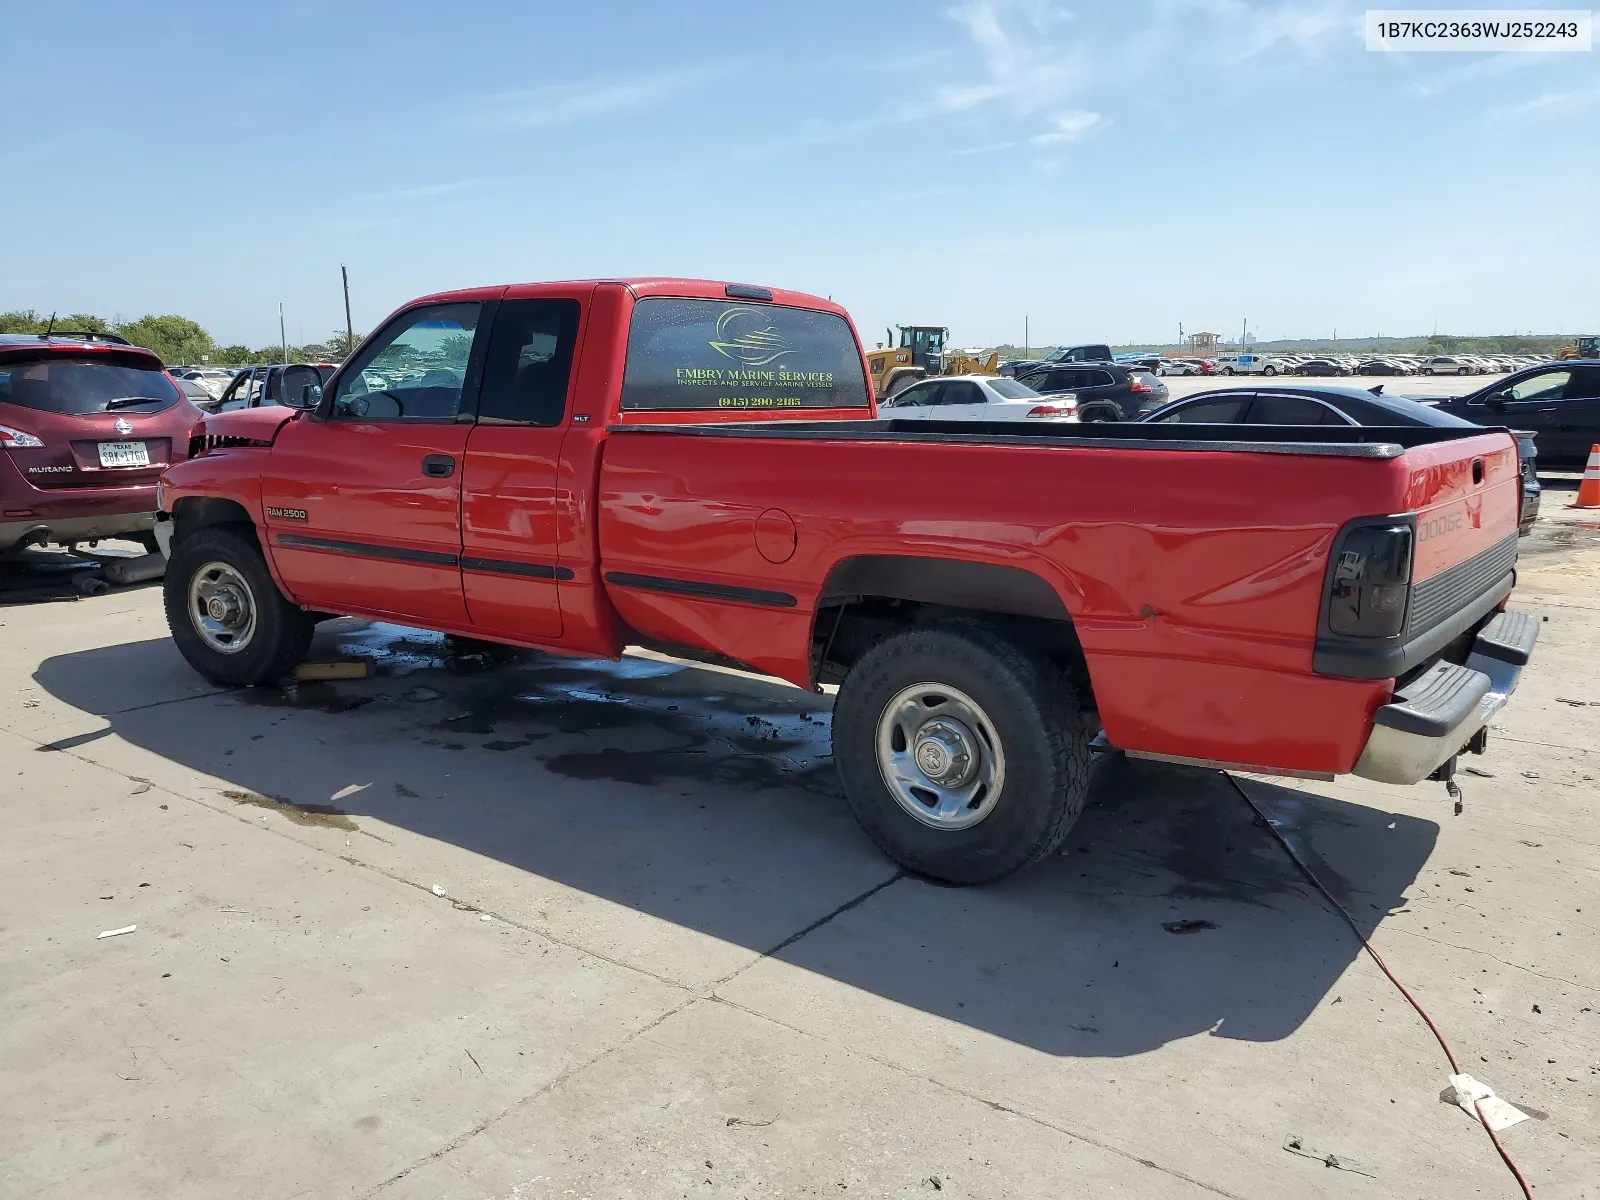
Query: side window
[
  {"x": 1547, "y": 385},
  {"x": 243, "y": 391},
  {"x": 273, "y": 392},
  {"x": 412, "y": 371},
  {"x": 529, "y": 363},
  {"x": 1290, "y": 410},
  {"x": 1226, "y": 411},
  {"x": 961, "y": 392},
  {"x": 919, "y": 395},
  {"x": 1093, "y": 379},
  {"x": 1585, "y": 384}
]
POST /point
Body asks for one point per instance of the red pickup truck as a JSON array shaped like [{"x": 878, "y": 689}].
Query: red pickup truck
[{"x": 698, "y": 467}]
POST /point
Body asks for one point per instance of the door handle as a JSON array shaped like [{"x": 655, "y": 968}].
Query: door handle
[{"x": 438, "y": 466}]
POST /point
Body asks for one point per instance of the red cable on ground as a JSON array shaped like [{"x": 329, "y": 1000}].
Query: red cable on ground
[{"x": 1455, "y": 1067}]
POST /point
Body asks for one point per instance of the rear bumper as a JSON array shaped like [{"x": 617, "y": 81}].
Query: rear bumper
[
  {"x": 1435, "y": 716},
  {"x": 38, "y": 531}
]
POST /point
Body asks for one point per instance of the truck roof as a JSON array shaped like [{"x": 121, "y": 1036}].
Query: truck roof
[{"x": 640, "y": 286}]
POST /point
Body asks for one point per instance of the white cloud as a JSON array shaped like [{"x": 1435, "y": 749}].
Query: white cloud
[
  {"x": 1027, "y": 73},
  {"x": 1069, "y": 128},
  {"x": 1250, "y": 30},
  {"x": 1559, "y": 102},
  {"x": 557, "y": 104}
]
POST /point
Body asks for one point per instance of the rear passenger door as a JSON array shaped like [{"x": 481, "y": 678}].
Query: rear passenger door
[{"x": 511, "y": 477}]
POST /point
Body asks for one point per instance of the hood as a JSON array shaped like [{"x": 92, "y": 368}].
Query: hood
[{"x": 242, "y": 427}]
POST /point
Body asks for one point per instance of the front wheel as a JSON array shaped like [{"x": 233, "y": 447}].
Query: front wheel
[
  {"x": 226, "y": 614},
  {"x": 1270, "y": 371},
  {"x": 1227, "y": 370},
  {"x": 964, "y": 756}
]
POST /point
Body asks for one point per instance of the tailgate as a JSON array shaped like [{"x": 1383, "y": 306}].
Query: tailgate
[
  {"x": 1457, "y": 505},
  {"x": 1467, "y": 497}
]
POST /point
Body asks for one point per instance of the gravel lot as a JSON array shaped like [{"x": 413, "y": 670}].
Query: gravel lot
[{"x": 665, "y": 962}]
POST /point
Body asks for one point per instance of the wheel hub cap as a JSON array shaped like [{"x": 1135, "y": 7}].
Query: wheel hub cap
[
  {"x": 222, "y": 608},
  {"x": 940, "y": 756},
  {"x": 945, "y": 753}
]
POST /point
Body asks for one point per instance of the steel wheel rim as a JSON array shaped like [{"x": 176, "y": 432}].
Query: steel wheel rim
[
  {"x": 222, "y": 608},
  {"x": 940, "y": 756}
]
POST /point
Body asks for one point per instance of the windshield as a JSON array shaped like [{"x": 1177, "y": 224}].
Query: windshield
[
  {"x": 80, "y": 386},
  {"x": 1010, "y": 389}
]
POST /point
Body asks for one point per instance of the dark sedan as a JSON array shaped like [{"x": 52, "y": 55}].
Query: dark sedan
[
  {"x": 1321, "y": 366},
  {"x": 1325, "y": 405},
  {"x": 1105, "y": 391},
  {"x": 1558, "y": 401}
]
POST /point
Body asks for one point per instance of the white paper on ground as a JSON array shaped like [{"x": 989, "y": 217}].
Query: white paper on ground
[
  {"x": 115, "y": 932},
  {"x": 1498, "y": 1114}
]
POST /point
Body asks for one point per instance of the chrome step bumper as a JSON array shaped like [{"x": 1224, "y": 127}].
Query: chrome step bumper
[{"x": 1433, "y": 717}]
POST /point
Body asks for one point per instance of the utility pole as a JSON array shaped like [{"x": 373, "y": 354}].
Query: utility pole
[
  {"x": 349, "y": 328},
  {"x": 283, "y": 334},
  {"x": 1024, "y": 335}
]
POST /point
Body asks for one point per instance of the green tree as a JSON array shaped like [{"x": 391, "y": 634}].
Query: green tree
[
  {"x": 174, "y": 339},
  {"x": 341, "y": 346}
]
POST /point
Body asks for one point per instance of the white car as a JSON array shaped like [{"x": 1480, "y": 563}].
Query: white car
[
  {"x": 977, "y": 398},
  {"x": 1178, "y": 366}
]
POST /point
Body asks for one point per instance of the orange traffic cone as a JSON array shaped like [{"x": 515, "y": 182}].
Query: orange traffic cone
[{"x": 1589, "y": 489}]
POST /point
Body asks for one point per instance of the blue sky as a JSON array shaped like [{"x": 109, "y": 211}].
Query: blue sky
[{"x": 1108, "y": 169}]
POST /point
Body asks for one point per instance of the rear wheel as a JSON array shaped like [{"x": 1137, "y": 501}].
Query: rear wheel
[
  {"x": 226, "y": 614},
  {"x": 963, "y": 755},
  {"x": 1269, "y": 370}
]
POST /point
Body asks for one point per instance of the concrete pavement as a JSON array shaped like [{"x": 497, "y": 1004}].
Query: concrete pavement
[{"x": 667, "y": 964}]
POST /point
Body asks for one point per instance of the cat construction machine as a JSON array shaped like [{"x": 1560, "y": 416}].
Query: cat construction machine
[
  {"x": 921, "y": 354},
  {"x": 1584, "y": 347}
]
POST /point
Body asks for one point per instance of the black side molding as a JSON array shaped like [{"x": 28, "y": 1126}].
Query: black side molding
[
  {"x": 494, "y": 566},
  {"x": 300, "y": 541},
  {"x": 704, "y": 591},
  {"x": 500, "y": 566}
]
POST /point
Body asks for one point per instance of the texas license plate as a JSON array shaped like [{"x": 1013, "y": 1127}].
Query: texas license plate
[{"x": 124, "y": 454}]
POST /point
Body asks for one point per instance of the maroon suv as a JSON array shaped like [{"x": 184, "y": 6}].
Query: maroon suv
[{"x": 87, "y": 424}]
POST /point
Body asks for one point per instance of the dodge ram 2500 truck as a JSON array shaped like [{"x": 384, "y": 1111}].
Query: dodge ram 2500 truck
[{"x": 698, "y": 467}]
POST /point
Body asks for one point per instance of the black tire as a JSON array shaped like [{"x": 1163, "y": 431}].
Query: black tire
[
  {"x": 282, "y": 632},
  {"x": 1032, "y": 713},
  {"x": 1269, "y": 371},
  {"x": 1100, "y": 412}
]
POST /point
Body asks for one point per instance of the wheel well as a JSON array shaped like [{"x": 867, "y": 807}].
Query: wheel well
[
  {"x": 867, "y": 598},
  {"x": 1100, "y": 406},
  {"x": 200, "y": 512}
]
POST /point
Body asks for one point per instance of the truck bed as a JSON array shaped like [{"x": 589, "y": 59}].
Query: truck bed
[{"x": 1190, "y": 561}]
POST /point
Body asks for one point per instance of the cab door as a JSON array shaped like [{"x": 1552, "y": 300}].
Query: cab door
[
  {"x": 363, "y": 501},
  {"x": 509, "y": 570},
  {"x": 959, "y": 400}
]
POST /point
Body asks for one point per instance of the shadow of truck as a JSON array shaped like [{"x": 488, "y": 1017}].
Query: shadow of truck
[{"x": 707, "y": 799}]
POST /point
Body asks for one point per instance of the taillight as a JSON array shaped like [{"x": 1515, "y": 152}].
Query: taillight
[
  {"x": 1051, "y": 410},
  {"x": 1138, "y": 385},
  {"x": 1371, "y": 580},
  {"x": 15, "y": 439}
]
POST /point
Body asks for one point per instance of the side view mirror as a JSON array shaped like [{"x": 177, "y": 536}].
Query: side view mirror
[
  {"x": 1496, "y": 401},
  {"x": 302, "y": 387}
]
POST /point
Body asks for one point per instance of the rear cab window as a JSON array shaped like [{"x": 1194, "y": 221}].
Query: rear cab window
[
  {"x": 696, "y": 355},
  {"x": 92, "y": 383}
]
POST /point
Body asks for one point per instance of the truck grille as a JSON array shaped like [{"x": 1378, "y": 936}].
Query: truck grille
[{"x": 1455, "y": 587}]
